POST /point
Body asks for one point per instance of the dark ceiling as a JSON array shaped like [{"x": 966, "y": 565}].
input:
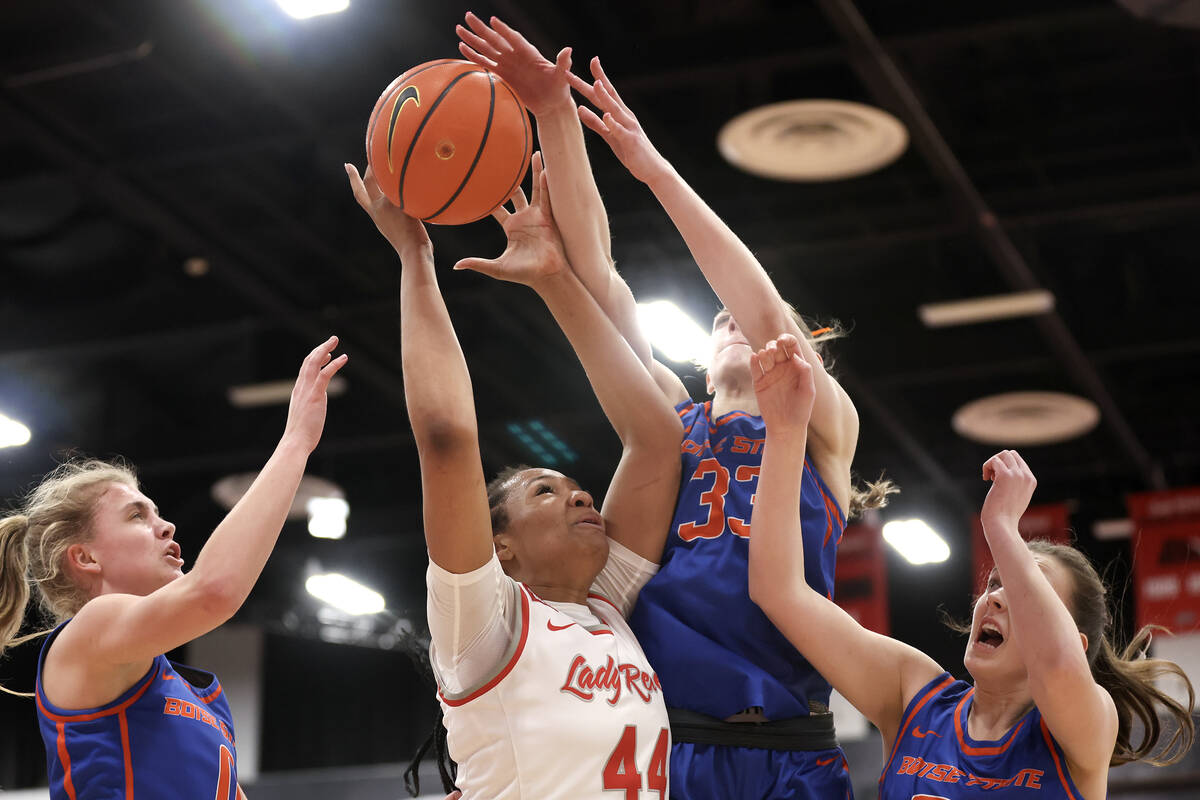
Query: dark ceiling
[{"x": 135, "y": 135}]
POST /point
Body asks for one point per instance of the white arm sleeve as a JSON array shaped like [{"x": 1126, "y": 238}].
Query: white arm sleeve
[
  {"x": 623, "y": 576},
  {"x": 471, "y": 618}
]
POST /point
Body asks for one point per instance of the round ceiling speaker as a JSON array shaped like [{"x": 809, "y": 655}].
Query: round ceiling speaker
[
  {"x": 812, "y": 140},
  {"x": 227, "y": 491},
  {"x": 1025, "y": 418}
]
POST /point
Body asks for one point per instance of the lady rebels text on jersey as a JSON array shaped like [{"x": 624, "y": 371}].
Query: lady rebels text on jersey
[{"x": 573, "y": 709}]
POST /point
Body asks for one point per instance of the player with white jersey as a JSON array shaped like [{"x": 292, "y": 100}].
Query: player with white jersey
[{"x": 545, "y": 689}]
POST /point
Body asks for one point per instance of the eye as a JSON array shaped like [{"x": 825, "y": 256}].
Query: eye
[
  {"x": 544, "y": 488},
  {"x": 994, "y": 582}
]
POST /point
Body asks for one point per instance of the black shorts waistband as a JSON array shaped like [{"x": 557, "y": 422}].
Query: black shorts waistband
[{"x": 814, "y": 732}]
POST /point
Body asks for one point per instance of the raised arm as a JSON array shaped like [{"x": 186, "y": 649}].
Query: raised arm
[
  {"x": 876, "y": 674},
  {"x": 730, "y": 268},
  {"x": 641, "y": 498},
  {"x": 437, "y": 392},
  {"x": 1079, "y": 713},
  {"x": 583, "y": 222},
  {"x": 121, "y": 629}
]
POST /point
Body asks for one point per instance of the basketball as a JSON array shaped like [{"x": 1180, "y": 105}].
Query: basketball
[{"x": 448, "y": 142}]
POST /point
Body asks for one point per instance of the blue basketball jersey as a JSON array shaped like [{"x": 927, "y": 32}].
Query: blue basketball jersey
[
  {"x": 167, "y": 736},
  {"x": 715, "y": 650},
  {"x": 934, "y": 757}
]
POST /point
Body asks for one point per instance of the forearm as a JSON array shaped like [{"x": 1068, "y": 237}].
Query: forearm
[
  {"x": 583, "y": 221},
  {"x": 437, "y": 386},
  {"x": 628, "y": 394},
  {"x": 730, "y": 268},
  {"x": 238, "y": 549},
  {"x": 1049, "y": 636},
  {"x": 776, "y": 544}
]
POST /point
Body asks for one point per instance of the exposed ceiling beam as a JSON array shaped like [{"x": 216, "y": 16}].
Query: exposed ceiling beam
[{"x": 891, "y": 88}]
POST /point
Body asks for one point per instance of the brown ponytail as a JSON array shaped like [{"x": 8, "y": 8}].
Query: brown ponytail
[
  {"x": 869, "y": 495},
  {"x": 1129, "y": 677}
]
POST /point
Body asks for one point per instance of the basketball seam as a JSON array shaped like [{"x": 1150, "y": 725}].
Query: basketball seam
[
  {"x": 525, "y": 147},
  {"x": 487, "y": 132},
  {"x": 420, "y": 128}
]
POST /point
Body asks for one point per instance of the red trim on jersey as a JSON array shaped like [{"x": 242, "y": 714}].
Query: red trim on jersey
[
  {"x": 594, "y": 596},
  {"x": 212, "y": 696},
  {"x": 904, "y": 726},
  {"x": 65, "y": 759},
  {"x": 1062, "y": 777},
  {"x": 726, "y": 417},
  {"x": 980, "y": 751},
  {"x": 512, "y": 662},
  {"x": 108, "y": 712},
  {"x": 124, "y": 722}
]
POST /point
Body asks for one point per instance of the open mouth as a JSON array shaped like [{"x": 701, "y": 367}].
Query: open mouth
[
  {"x": 989, "y": 636},
  {"x": 592, "y": 522}
]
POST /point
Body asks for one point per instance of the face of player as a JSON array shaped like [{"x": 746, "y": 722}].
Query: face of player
[
  {"x": 132, "y": 549},
  {"x": 554, "y": 535},
  {"x": 994, "y": 650},
  {"x": 729, "y": 359}
]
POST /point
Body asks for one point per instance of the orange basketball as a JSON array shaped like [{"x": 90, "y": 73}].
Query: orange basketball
[{"x": 448, "y": 141}]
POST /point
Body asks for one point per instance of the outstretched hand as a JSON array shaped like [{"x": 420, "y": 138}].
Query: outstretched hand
[
  {"x": 306, "y": 413},
  {"x": 617, "y": 125},
  {"x": 540, "y": 84},
  {"x": 402, "y": 231},
  {"x": 783, "y": 383},
  {"x": 1012, "y": 489},
  {"x": 534, "y": 251}
]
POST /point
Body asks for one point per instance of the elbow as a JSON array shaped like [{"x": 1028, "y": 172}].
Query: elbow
[
  {"x": 443, "y": 436},
  {"x": 217, "y": 598},
  {"x": 764, "y": 593}
]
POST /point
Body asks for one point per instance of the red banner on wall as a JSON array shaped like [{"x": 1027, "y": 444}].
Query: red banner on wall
[
  {"x": 1166, "y": 558},
  {"x": 1050, "y": 522},
  {"x": 861, "y": 577}
]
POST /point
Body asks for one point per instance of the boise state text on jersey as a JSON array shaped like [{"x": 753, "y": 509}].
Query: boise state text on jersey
[
  {"x": 716, "y": 652},
  {"x": 169, "y": 735},
  {"x": 935, "y": 757}
]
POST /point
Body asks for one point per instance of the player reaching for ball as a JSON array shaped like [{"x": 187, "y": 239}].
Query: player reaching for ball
[
  {"x": 116, "y": 716},
  {"x": 1052, "y": 705},
  {"x": 749, "y": 716},
  {"x": 545, "y": 690}
]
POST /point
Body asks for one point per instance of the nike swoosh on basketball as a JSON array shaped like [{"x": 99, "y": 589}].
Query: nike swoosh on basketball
[
  {"x": 917, "y": 733},
  {"x": 554, "y": 627}
]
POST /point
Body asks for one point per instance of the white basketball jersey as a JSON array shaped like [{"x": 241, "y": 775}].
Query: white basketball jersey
[{"x": 573, "y": 712}]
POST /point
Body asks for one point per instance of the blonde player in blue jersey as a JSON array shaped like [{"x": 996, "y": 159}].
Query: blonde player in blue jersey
[
  {"x": 1052, "y": 705},
  {"x": 749, "y": 716},
  {"x": 545, "y": 689},
  {"x": 119, "y": 719}
]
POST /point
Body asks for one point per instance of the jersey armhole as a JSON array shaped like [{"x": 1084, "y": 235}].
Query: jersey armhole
[
  {"x": 507, "y": 661},
  {"x": 923, "y": 696}
]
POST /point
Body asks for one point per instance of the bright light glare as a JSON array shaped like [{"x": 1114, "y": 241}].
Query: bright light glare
[
  {"x": 916, "y": 541},
  {"x": 303, "y": 9},
  {"x": 674, "y": 333},
  {"x": 327, "y": 517},
  {"x": 12, "y": 433},
  {"x": 344, "y": 594}
]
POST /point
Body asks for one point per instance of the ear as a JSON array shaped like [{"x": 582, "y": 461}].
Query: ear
[
  {"x": 82, "y": 561},
  {"x": 708, "y": 382},
  {"x": 503, "y": 551},
  {"x": 1083, "y": 640}
]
